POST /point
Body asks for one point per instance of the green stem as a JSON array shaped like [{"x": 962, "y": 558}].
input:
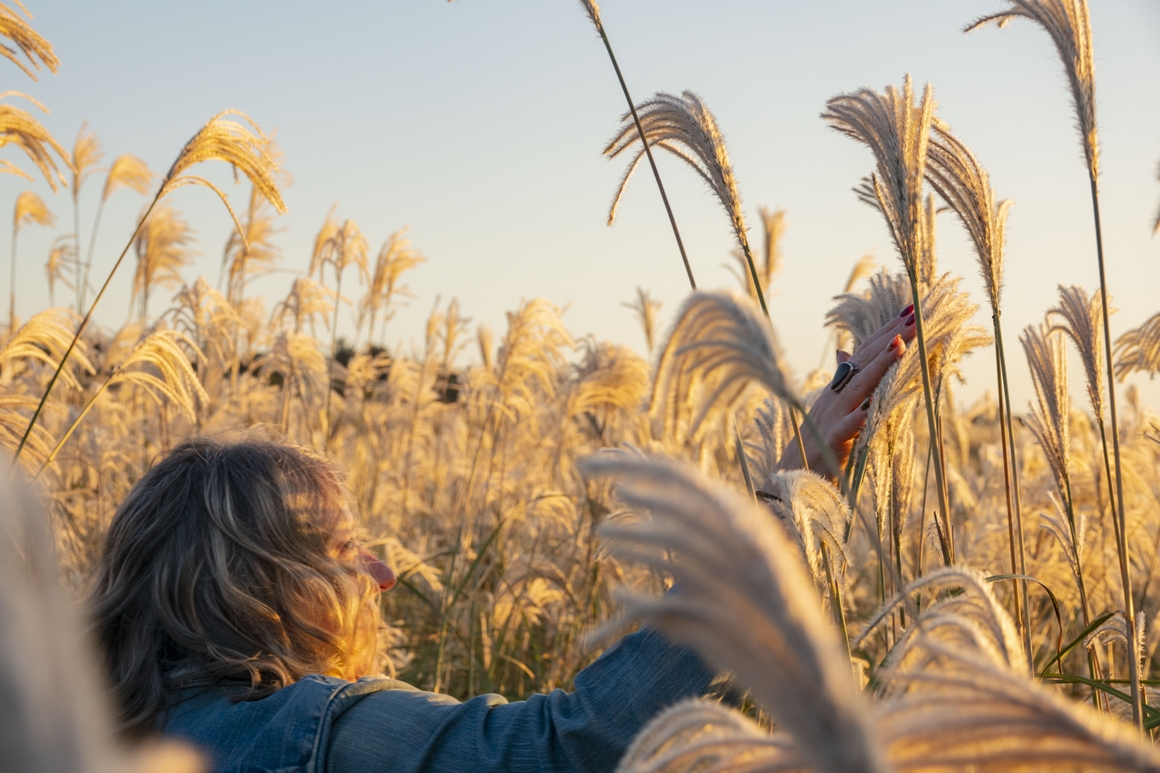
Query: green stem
[
  {"x": 1121, "y": 545},
  {"x": 1013, "y": 490},
  {"x": 939, "y": 471}
]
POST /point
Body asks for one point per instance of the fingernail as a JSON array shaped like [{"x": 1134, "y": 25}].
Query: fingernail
[
  {"x": 866, "y": 404},
  {"x": 897, "y": 343},
  {"x": 907, "y": 310},
  {"x": 910, "y": 320}
]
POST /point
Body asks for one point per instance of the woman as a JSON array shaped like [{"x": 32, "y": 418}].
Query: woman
[{"x": 235, "y": 609}]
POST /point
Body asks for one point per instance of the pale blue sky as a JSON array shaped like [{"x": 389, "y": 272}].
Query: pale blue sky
[{"x": 480, "y": 123}]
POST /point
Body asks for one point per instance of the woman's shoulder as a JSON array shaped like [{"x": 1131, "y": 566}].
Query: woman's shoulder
[{"x": 285, "y": 729}]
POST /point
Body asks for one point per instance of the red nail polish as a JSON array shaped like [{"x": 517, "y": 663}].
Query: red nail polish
[
  {"x": 910, "y": 320},
  {"x": 897, "y": 343},
  {"x": 907, "y": 310}
]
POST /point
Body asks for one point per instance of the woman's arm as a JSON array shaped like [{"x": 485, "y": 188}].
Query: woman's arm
[{"x": 587, "y": 730}]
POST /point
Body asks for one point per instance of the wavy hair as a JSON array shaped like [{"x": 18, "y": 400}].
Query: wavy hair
[{"x": 216, "y": 573}]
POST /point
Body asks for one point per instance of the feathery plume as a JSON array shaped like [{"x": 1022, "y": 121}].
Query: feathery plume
[
  {"x": 251, "y": 252},
  {"x": 897, "y": 132},
  {"x": 965, "y": 186},
  {"x": 592, "y": 9},
  {"x": 396, "y": 257},
  {"x": 746, "y": 604},
  {"x": 19, "y": 128},
  {"x": 30, "y": 209},
  {"x": 159, "y": 366},
  {"x": 127, "y": 171},
  {"x": 1067, "y": 22},
  {"x": 1050, "y": 419},
  {"x": 1080, "y": 318},
  {"x": 1138, "y": 350},
  {"x": 717, "y": 348},
  {"x": 61, "y": 263},
  {"x": 815, "y": 515},
  {"x": 225, "y": 140},
  {"x": 684, "y": 126},
  {"x": 646, "y": 310},
  {"x": 86, "y": 155},
  {"x": 28, "y": 40},
  {"x": 163, "y": 249}
]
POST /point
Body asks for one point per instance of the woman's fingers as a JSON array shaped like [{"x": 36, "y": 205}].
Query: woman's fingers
[
  {"x": 865, "y": 381},
  {"x": 887, "y": 331},
  {"x": 848, "y": 428}
]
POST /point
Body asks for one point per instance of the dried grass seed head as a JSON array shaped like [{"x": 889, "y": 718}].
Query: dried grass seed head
[
  {"x": 592, "y": 8},
  {"x": 897, "y": 131},
  {"x": 31, "y": 209},
  {"x": 1068, "y": 25},
  {"x": 86, "y": 155},
  {"x": 963, "y": 183},
  {"x": 1080, "y": 318},
  {"x": 746, "y": 603},
  {"x": 1050, "y": 419},
  {"x": 684, "y": 126},
  {"x": 1138, "y": 350},
  {"x": 717, "y": 348},
  {"x": 232, "y": 142},
  {"x": 19, "y": 128},
  {"x": 127, "y": 171},
  {"x": 27, "y": 40}
]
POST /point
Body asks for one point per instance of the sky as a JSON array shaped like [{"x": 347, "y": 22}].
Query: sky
[{"x": 479, "y": 126}]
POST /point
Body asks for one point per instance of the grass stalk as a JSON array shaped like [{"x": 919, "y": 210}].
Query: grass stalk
[
  {"x": 81, "y": 329},
  {"x": 1121, "y": 536},
  {"x": 939, "y": 470},
  {"x": 1011, "y": 487},
  {"x": 648, "y": 151}
]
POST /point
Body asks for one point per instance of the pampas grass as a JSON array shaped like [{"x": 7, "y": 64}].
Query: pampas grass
[
  {"x": 30, "y": 209},
  {"x": 684, "y": 126},
  {"x": 1069, "y": 26},
  {"x": 220, "y": 139},
  {"x": 898, "y": 132}
]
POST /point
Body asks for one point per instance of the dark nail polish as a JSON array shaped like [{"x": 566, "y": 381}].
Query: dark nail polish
[
  {"x": 866, "y": 404},
  {"x": 910, "y": 320},
  {"x": 907, "y": 310}
]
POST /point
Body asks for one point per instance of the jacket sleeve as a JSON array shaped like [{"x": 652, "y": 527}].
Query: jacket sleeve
[{"x": 585, "y": 731}]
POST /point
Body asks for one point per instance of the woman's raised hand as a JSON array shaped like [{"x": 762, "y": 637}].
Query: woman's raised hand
[{"x": 841, "y": 409}]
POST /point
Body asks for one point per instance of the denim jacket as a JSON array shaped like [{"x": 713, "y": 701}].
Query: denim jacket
[{"x": 325, "y": 725}]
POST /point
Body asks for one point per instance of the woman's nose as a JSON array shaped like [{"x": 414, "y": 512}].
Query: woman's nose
[{"x": 381, "y": 573}]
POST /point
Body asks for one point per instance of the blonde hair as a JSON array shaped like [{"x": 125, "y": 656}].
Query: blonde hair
[{"x": 216, "y": 573}]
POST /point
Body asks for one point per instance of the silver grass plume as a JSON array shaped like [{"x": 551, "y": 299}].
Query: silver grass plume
[
  {"x": 1080, "y": 318},
  {"x": 1138, "y": 350},
  {"x": 1067, "y": 22},
  {"x": 593, "y": 10},
  {"x": 970, "y": 619},
  {"x": 1115, "y": 628},
  {"x": 815, "y": 515},
  {"x": 718, "y": 346},
  {"x": 897, "y": 132},
  {"x": 959, "y": 698},
  {"x": 684, "y": 126},
  {"x": 1050, "y": 419},
  {"x": 746, "y": 604},
  {"x": 963, "y": 183}
]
